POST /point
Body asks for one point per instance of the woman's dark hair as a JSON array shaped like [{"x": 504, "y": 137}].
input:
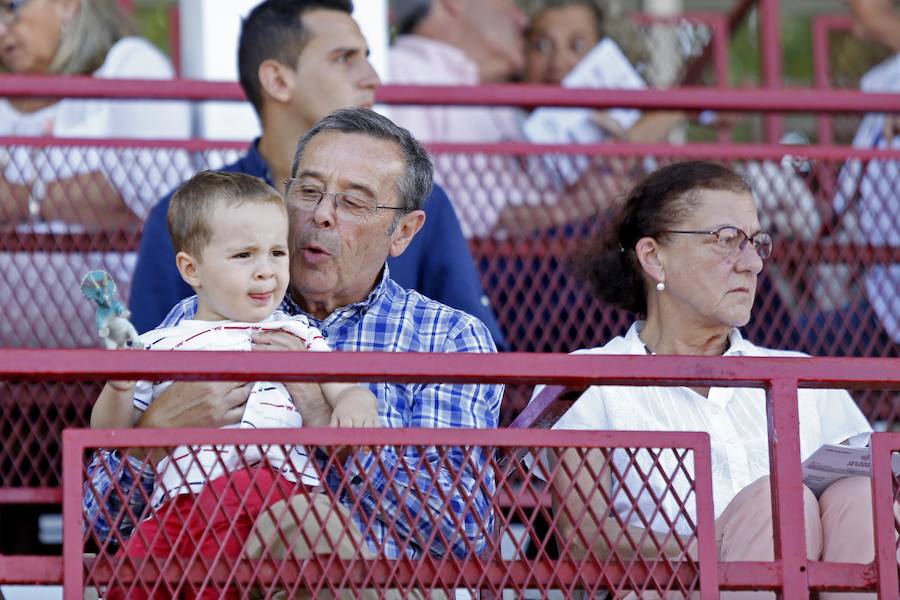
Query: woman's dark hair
[{"x": 609, "y": 264}]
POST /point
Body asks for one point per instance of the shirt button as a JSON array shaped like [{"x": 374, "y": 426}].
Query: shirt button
[{"x": 324, "y": 333}]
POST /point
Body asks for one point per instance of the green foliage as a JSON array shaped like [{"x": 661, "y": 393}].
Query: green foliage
[{"x": 152, "y": 21}]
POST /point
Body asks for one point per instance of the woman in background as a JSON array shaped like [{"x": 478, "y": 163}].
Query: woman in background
[
  {"x": 561, "y": 33},
  {"x": 59, "y": 189}
]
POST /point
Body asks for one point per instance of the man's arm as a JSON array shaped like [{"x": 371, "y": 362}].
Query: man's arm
[{"x": 417, "y": 493}]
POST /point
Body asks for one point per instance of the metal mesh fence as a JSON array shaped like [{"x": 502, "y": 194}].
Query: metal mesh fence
[
  {"x": 243, "y": 536},
  {"x": 829, "y": 289}
]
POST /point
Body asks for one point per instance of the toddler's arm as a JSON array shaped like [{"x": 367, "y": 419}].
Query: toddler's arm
[
  {"x": 351, "y": 405},
  {"x": 114, "y": 407}
]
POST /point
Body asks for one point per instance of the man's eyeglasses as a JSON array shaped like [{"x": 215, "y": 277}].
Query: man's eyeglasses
[
  {"x": 9, "y": 10},
  {"x": 308, "y": 197},
  {"x": 731, "y": 239}
]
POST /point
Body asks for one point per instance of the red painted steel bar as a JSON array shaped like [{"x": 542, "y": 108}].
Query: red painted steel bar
[
  {"x": 526, "y": 96},
  {"x": 822, "y": 26},
  {"x": 530, "y": 369},
  {"x": 787, "y": 485},
  {"x": 771, "y": 60},
  {"x": 883, "y": 446},
  {"x": 721, "y": 151}
]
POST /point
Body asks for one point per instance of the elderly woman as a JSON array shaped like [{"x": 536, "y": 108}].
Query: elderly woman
[
  {"x": 685, "y": 251},
  {"x": 63, "y": 189}
]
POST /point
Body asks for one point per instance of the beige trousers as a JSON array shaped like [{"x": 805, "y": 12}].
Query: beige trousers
[{"x": 838, "y": 529}]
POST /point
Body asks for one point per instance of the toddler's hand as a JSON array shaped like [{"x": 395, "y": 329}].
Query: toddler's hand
[{"x": 356, "y": 407}]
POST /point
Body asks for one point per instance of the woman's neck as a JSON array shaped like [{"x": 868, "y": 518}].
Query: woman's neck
[{"x": 660, "y": 338}]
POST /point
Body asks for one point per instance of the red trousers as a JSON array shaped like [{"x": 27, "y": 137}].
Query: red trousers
[{"x": 203, "y": 529}]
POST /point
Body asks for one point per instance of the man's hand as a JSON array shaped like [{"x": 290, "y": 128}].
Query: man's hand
[
  {"x": 355, "y": 406},
  {"x": 197, "y": 404},
  {"x": 308, "y": 397}
]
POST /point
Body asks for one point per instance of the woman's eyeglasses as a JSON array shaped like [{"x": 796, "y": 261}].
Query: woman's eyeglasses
[{"x": 731, "y": 239}]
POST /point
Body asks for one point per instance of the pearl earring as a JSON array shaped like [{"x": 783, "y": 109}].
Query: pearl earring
[{"x": 660, "y": 286}]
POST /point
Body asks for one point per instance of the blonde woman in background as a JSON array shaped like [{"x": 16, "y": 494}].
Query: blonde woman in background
[{"x": 63, "y": 189}]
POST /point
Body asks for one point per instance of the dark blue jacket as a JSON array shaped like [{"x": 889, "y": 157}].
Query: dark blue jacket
[{"x": 437, "y": 262}]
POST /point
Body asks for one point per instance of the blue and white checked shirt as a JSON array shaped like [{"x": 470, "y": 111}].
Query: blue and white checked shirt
[{"x": 390, "y": 319}]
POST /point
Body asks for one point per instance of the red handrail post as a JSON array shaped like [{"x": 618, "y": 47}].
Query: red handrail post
[
  {"x": 883, "y": 446},
  {"x": 786, "y": 482},
  {"x": 771, "y": 55}
]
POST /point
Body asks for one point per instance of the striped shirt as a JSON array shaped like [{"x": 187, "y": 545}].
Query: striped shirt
[
  {"x": 268, "y": 405},
  {"x": 400, "y": 504}
]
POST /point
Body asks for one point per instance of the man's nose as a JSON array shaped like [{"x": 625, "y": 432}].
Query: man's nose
[
  {"x": 325, "y": 212},
  {"x": 370, "y": 79}
]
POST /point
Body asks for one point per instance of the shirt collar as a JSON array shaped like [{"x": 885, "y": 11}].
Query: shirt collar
[
  {"x": 381, "y": 290},
  {"x": 254, "y": 163},
  {"x": 737, "y": 345}
]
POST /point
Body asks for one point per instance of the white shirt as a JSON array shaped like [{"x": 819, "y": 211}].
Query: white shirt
[
  {"x": 269, "y": 405},
  {"x": 734, "y": 418},
  {"x": 141, "y": 176}
]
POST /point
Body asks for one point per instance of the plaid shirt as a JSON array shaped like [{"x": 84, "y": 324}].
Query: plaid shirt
[{"x": 390, "y": 319}]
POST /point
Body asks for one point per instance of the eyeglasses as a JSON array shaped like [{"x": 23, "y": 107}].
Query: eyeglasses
[
  {"x": 353, "y": 207},
  {"x": 731, "y": 239},
  {"x": 9, "y": 11}
]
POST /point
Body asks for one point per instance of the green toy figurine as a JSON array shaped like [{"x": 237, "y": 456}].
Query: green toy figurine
[{"x": 113, "y": 325}]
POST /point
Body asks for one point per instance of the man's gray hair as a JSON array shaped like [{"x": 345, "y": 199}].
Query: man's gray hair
[
  {"x": 414, "y": 186},
  {"x": 407, "y": 14}
]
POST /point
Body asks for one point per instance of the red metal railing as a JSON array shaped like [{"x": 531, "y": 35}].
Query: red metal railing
[
  {"x": 521, "y": 95},
  {"x": 790, "y": 572}
]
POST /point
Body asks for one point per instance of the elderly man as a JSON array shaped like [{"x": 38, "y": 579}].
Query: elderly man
[
  {"x": 284, "y": 46},
  {"x": 354, "y": 197}
]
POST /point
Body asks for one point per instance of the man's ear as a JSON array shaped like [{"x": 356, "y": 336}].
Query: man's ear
[
  {"x": 406, "y": 230},
  {"x": 187, "y": 267},
  {"x": 276, "y": 80},
  {"x": 650, "y": 257}
]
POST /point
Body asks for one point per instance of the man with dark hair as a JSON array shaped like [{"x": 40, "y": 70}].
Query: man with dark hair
[
  {"x": 354, "y": 197},
  {"x": 299, "y": 60}
]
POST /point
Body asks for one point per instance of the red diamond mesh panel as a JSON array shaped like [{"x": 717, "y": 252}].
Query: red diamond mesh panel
[
  {"x": 526, "y": 212},
  {"x": 244, "y": 536}
]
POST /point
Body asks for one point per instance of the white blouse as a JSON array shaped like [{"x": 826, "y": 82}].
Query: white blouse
[{"x": 734, "y": 418}]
